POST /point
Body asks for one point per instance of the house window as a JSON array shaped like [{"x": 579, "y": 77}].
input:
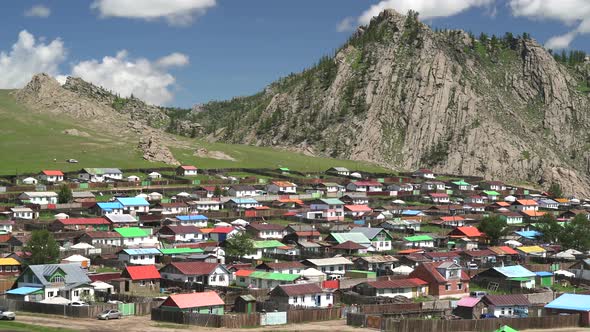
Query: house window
[
  {"x": 221, "y": 278},
  {"x": 448, "y": 287},
  {"x": 328, "y": 296},
  {"x": 303, "y": 299},
  {"x": 190, "y": 279},
  {"x": 76, "y": 293},
  {"x": 242, "y": 279},
  {"x": 49, "y": 294},
  {"x": 294, "y": 299},
  {"x": 459, "y": 286},
  {"x": 57, "y": 279},
  {"x": 14, "y": 269},
  {"x": 213, "y": 277}
]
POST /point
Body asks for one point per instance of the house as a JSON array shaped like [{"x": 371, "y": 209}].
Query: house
[
  {"x": 445, "y": 279},
  {"x": 242, "y": 203},
  {"x": 83, "y": 197},
  {"x": 76, "y": 224},
  {"x": 206, "y": 205},
  {"x": 401, "y": 225},
  {"x": 135, "y": 236},
  {"x": 410, "y": 288},
  {"x": 264, "y": 280},
  {"x": 349, "y": 248},
  {"x": 329, "y": 187},
  {"x": 52, "y": 280},
  {"x": 401, "y": 187},
  {"x": 379, "y": 237},
  {"x": 173, "y": 208},
  {"x": 133, "y": 178},
  {"x": 544, "y": 278},
  {"x": 265, "y": 231},
  {"x": 507, "y": 305},
  {"x": 141, "y": 277},
  {"x": 9, "y": 267},
  {"x": 304, "y": 295},
  {"x": 490, "y": 195},
  {"x": 6, "y": 226},
  {"x": 494, "y": 185},
  {"x": 98, "y": 239},
  {"x": 30, "y": 181},
  {"x": 453, "y": 221},
  {"x": 339, "y": 238},
  {"x": 375, "y": 263},
  {"x": 462, "y": 185},
  {"x": 9, "y": 243},
  {"x": 531, "y": 251},
  {"x": 365, "y": 186},
  {"x": 121, "y": 220},
  {"x": 181, "y": 233},
  {"x": 419, "y": 241},
  {"x": 475, "y": 199},
  {"x": 342, "y": 171},
  {"x": 470, "y": 232},
  {"x": 506, "y": 277},
  {"x": 479, "y": 257},
  {"x": 141, "y": 256},
  {"x": 186, "y": 170},
  {"x": 522, "y": 205},
  {"x": 357, "y": 211},
  {"x": 155, "y": 176},
  {"x": 355, "y": 198},
  {"x": 183, "y": 252},
  {"x": 424, "y": 173},
  {"x": 304, "y": 235},
  {"x": 439, "y": 198},
  {"x": 208, "y": 303},
  {"x": 263, "y": 248},
  {"x": 432, "y": 185},
  {"x": 104, "y": 208},
  {"x": 511, "y": 218},
  {"x": 221, "y": 234},
  {"x": 100, "y": 174},
  {"x": 329, "y": 209},
  {"x": 547, "y": 203},
  {"x": 132, "y": 205},
  {"x": 197, "y": 220},
  {"x": 282, "y": 187},
  {"x": 242, "y": 191},
  {"x": 208, "y": 274},
  {"x": 335, "y": 265},
  {"x": 51, "y": 176},
  {"x": 571, "y": 304},
  {"x": 38, "y": 197},
  {"x": 21, "y": 212},
  {"x": 282, "y": 267}
]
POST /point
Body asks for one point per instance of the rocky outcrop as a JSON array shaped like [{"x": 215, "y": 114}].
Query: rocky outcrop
[
  {"x": 154, "y": 150},
  {"x": 75, "y": 132},
  {"x": 405, "y": 96}
]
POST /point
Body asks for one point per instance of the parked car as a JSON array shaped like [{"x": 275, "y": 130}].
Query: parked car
[
  {"x": 472, "y": 266},
  {"x": 484, "y": 316},
  {"x": 7, "y": 315},
  {"x": 72, "y": 161},
  {"x": 115, "y": 302},
  {"x": 78, "y": 304},
  {"x": 110, "y": 314}
]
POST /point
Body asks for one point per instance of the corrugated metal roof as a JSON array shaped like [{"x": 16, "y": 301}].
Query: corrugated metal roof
[
  {"x": 329, "y": 261},
  {"x": 417, "y": 238},
  {"x": 142, "y": 272},
  {"x": 195, "y": 268},
  {"x": 300, "y": 289},
  {"x": 468, "y": 302},
  {"x": 274, "y": 276},
  {"x": 23, "y": 290},
  {"x": 576, "y": 302},
  {"x": 142, "y": 251},
  {"x": 507, "y": 300},
  {"x": 267, "y": 244},
  {"x": 192, "y": 217},
  {"x": 133, "y": 201},
  {"x": 178, "y": 251},
  {"x": 194, "y": 300},
  {"x": 515, "y": 271},
  {"x": 132, "y": 232},
  {"x": 352, "y": 236}
]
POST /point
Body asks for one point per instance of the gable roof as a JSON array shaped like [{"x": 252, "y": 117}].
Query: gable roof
[
  {"x": 418, "y": 238},
  {"x": 141, "y": 272},
  {"x": 188, "y": 167},
  {"x": 397, "y": 283},
  {"x": 576, "y": 302},
  {"x": 369, "y": 232},
  {"x": 132, "y": 201},
  {"x": 102, "y": 235},
  {"x": 468, "y": 231},
  {"x": 431, "y": 270},
  {"x": 194, "y": 268},
  {"x": 348, "y": 245},
  {"x": 531, "y": 249},
  {"x": 352, "y": 236},
  {"x": 284, "y": 184},
  {"x": 52, "y": 172},
  {"x": 329, "y": 261},
  {"x": 267, "y": 244},
  {"x": 515, "y": 271},
  {"x": 507, "y": 300},
  {"x": 193, "y": 300},
  {"x": 358, "y": 208},
  {"x": 193, "y": 217},
  {"x": 299, "y": 289},
  {"x": 259, "y": 226},
  {"x": 331, "y": 201},
  {"x": 84, "y": 221},
  {"x": 180, "y": 229},
  {"x": 132, "y": 232},
  {"x": 281, "y": 265},
  {"x": 74, "y": 274}
]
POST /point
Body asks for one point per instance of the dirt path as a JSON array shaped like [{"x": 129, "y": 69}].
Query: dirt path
[{"x": 144, "y": 324}]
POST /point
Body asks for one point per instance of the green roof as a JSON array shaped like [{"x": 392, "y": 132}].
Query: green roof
[
  {"x": 461, "y": 183},
  {"x": 176, "y": 251},
  {"x": 505, "y": 328},
  {"x": 332, "y": 201},
  {"x": 267, "y": 244},
  {"x": 359, "y": 238},
  {"x": 417, "y": 238},
  {"x": 491, "y": 193},
  {"x": 274, "y": 276},
  {"x": 519, "y": 279},
  {"x": 131, "y": 232},
  {"x": 284, "y": 169}
]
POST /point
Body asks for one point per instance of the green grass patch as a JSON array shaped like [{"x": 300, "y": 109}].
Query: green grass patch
[
  {"x": 583, "y": 87},
  {"x": 17, "y": 326},
  {"x": 171, "y": 326}
]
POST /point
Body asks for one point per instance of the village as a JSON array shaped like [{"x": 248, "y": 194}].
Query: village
[{"x": 238, "y": 248}]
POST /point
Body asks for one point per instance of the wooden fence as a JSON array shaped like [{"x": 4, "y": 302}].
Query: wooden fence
[
  {"x": 313, "y": 315},
  {"x": 387, "y": 308},
  {"x": 439, "y": 325},
  {"x": 56, "y": 309}
]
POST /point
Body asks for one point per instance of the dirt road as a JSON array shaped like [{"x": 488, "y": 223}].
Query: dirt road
[{"x": 144, "y": 324}]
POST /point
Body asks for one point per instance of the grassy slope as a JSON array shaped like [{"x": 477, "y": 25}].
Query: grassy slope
[{"x": 31, "y": 141}]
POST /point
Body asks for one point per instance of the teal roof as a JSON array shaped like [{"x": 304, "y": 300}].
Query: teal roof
[
  {"x": 132, "y": 232},
  {"x": 332, "y": 201},
  {"x": 359, "y": 238},
  {"x": 417, "y": 238},
  {"x": 177, "y": 251},
  {"x": 274, "y": 276},
  {"x": 267, "y": 244}
]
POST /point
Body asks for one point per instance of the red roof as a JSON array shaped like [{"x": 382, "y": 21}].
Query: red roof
[
  {"x": 84, "y": 221},
  {"x": 452, "y": 218},
  {"x": 222, "y": 230},
  {"x": 358, "y": 208},
  {"x": 195, "y": 268},
  {"x": 308, "y": 233},
  {"x": 468, "y": 231},
  {"x": 503, "y": 250},
  {"x": 290, "y": 214},
  {"x": 300, "y": 289},
  {"x": 368, "y": 183},
  {"x": 244, "y": 273},
  {"x": 187, "y": 168},
  {"x": 410, "y": 251},
  {"x": 142, "y": 272},
  {"x": 439, "y": 195},
  {"x": 266, "y": 226},
  {"x": 398, "y": 283},
  {"x": 52, "y": 173},
  {"x": 193, "y": 300},
  {"x": 348, "y": 245}
]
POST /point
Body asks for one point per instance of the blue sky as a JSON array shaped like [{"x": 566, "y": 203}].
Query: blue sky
[{"x": 230, "y": 48}]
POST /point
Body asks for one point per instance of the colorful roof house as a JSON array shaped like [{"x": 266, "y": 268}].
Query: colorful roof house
[
  {"x": 357, "y": 210},
  {"x": 52, "y": 280},
  {"x": 187, "y": 170},
  {"x": 490, "y": 195},
  {"x": 419, "y": 241},
  {"x": 75, "y": 224},
  {"x": 531, "y": 251},
  {"x": 134, "y": 204},
  {"x": 9, "y": 267},
  {"x": 329, "y": 209},
  {"x": 264, "y": 280},
  {"x": 281, "y": 187},
  {"x": 524, "y": 205},
  {"x": 445, "y": 279},
  {"x": 264, "y": 247},
  {"x": 104, "y": 208},
  {"x": 206, "y": 273},
  {"x": 135, "y": 236},
  {"x": 51, "y": 175},
  {"x": 202, "y": 303},
  {"x": 198, "y": 220},
  {"x": 462, "y": 185},
  {"x": 571, "y": 304},
  {"x": 141, "y": 278},
  {"x": 100, "y": 174},
  {"x": 379, "y": 237},
  {"x": 424, "y": 173},
  {"x": 140, "y": 256},
  {"x": 453, "y": 221},
  {"x": 338, "y": 238},
  {"x": 469, "y": 232},
  {"x": 439, "y": 197},
  {"x": 506, "y": 277}
]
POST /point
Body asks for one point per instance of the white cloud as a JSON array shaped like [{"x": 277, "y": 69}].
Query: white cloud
[
  {"x": 176, "y": 12},
  {"x": 144, "y": 79},
  {"x": 38, "y": 11},
  {"x": 27, "y": 58},
  {"x": 571, "y": 12},
  {"x": 426, "y": 8},
  {"x": 347, "y": 24}
]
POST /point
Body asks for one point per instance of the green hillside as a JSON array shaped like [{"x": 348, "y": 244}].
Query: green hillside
[{"x": 32, "y": 141}]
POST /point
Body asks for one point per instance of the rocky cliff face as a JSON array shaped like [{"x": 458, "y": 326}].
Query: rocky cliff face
[{"x": 405, "y": 96}]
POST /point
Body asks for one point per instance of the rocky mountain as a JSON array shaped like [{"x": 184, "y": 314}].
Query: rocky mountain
[{"x": 405, "y": 96}]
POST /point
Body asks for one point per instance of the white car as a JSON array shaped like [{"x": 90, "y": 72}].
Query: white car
[
  {"x": 7, "y": 315},
  {"x": 78, "y": 304}
]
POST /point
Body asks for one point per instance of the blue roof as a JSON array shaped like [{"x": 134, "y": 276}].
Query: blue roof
[
  {"x": 411, "y": 212},
  {"x": 23, "y": 290},
  {"x": 133, "y": 201},
  {"x": 515, "y": 271},
  {"x": 531, "y": 235},
  {"x": 544, "y": 274},
  {"x": 142, "y": 251},
  {"x": 109, "y": 206},
  {"x": 244, "y": 200},
  {"x": 192, "y": 217},
  {"x": 578, "y": 302}
]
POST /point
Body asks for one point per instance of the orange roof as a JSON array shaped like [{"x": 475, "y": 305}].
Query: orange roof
[
  {"x": 469, "y": 231},
  {"x": 358, "y": 208},
  {"x": 526, "y": 202},
  {"x": 206, "y": 230},
  {"x": 452, "y": 218},
  {"x": 142, "y": 272},
  {"x": 562, "y": 200},
  {"x": 504, "y": 204},
  {"x": 410, "y": 251},
  {"x": 243, "y": 273},
  {"x": 194, "y": 300},
  {"x": 534, "y": 213},
  {"x": 291, "y": 200},
  {"x": 261, "y": 208},
  {"x": 284, "y": 184},
  {"x": 52, "y": 173},
  {"x": 503, "y": 250}
]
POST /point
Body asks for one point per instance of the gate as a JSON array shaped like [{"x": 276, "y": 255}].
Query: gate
[{"x": 127, "y": 309}]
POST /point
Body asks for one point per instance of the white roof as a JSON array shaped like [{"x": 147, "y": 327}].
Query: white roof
[
  {"x": 56, "y": 300},
  {"x": 330, "y": 261},
  {"x": 154, "y": 173},
  {"x": 82, "y": 245},
  {"x": 183, "y": 194},
  {"x": 356, "y": 175},
  {"x": 398, "y": 201},
  {"x": 40, "y": 193},
  {"x": 61, "y": 216},
  {"x": 29, "y": 179},
  {"x": 21, "y": 209},
  {"x": 133, "y": 176},
  {"x": 205, "y": 202},
  {"x": 101, "y": 285},
  {"x": 403, "y": 269},
  {"x": 142, "y": 196},
  {"x": 513, "y": 243},
  {"x": 155, "y": 194},
  {"x": 120, "y": 218},
  {"x": 565, "y": 273},
  {"x": 510, "y": 198},
  {"x": 221, "y": 224},
  {"x": 76, "y": 258},
  {"x": 240, "y": 222},
  {"x": 311, "y": 272}
]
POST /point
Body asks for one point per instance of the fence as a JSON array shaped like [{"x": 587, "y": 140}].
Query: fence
[
  {"x": 56, "y": 309},
  {"x": 411, "y": 325}
]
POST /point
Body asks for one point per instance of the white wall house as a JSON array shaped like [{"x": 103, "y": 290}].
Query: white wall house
[
  {"x": 39, "y": 197},
  {"x": 51, "y": 176},
  {"x": 206, "y": 205},
  {"x": 211, "y": 274},
  {"x": 134, "y": 204},
  {"x": 21, "y": 212},
  {"x": 336, "y": 265},
  {"x": 144, "y": 256},
  {"x": 242, "y": 191},
  {"x": 365, "y": 186},
  {"x": 100, "y": 174},
  {"x": 281, "y": 187},
  {"x": 305, "y": 295}
]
